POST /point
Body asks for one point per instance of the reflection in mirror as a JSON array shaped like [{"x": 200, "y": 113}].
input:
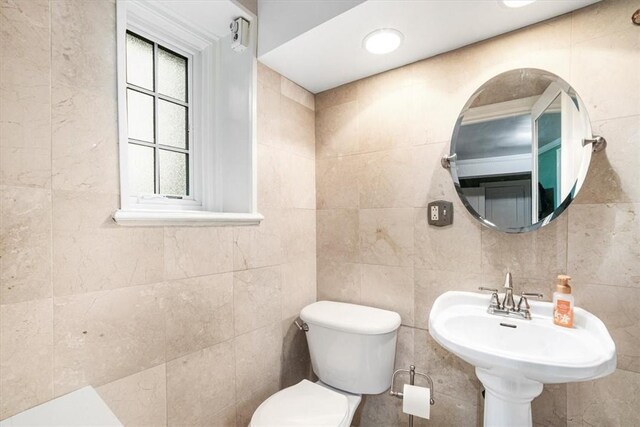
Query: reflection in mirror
[{"x": 517, "y": 150}]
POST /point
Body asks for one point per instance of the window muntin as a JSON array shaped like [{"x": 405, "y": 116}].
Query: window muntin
[{"x": 158, "y": 117}]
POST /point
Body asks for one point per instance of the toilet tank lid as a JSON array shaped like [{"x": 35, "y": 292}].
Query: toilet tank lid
[{"x": 353, "y": 318}]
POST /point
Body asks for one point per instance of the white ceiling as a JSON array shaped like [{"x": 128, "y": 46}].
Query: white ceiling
[
  {"x": 331, "y": 53},
  {"x": 209, "y": 18}
]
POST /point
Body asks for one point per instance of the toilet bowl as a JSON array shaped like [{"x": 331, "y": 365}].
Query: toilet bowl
[{"x": 352, "y": 350}]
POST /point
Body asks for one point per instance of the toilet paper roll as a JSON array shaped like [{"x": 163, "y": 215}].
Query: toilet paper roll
[{"x": 416, "y": 401}]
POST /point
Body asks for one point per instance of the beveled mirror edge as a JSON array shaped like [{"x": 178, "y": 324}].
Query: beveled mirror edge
[{"x": 598, "y": 142}]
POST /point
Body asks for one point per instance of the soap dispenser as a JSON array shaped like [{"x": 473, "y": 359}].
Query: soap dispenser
[{"x": 563, "y": 303}]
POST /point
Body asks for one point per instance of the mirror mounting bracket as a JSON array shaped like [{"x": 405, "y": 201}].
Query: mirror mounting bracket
[
  {"x": 599, "y": 143},
  {"x": 445, "y": 161}
]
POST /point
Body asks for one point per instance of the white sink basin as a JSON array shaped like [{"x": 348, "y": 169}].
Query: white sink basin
[{"x": 514, "y": 357}]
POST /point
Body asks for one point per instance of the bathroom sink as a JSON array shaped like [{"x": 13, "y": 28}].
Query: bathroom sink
[{"x": 514, "y": 356}]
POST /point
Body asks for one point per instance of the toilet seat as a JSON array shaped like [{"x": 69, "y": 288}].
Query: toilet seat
[{"x": 304, "y": 404}]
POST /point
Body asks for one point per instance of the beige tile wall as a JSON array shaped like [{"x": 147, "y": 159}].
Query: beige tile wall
[
  {"x": 177, "y": 326},
  {"x": 379, "y": 143}
]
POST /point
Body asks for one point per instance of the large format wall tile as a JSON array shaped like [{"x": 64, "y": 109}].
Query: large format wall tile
[
  {"x": 103, "y": 336},
  {"x": 25, "y": 244},
  {"x": 139, "y": 399},
  {"x": 259, "y": 246},
  {"x": 298, "y": 234},
  {"x": 258, "y": 362},
  {"x": 337, "y": 130},
  {"x": 83, "y": 96},
  {"x": 387, "y": 179},
  {"x": 604, "y": 244},
  {"x": 337, "y": 183},
  {"x": 268, "y": 119},
  {"x": 452, "y": 376},
  {"x": 550, "y": 408},
  {"x": 617, "y": 307},
  {"x": 615, "y": 172},
  {"x": 298, "y": 182},
  {"x": 546, "y": 46},
  {"x": 391, "y": 119},
  {"x": 430, "y": 284},
  {"x": 298, "y": 286},
  {"x": 247, "y": 405},
  {"x": 297, "y": 130},
  {"x": 390, "y": 288},
  {"x": 26, "y": 355},
  {"x": 297, "y": 93},
  {"x": 608, "y": 92},
  {"x": 338, "y": 281},
  {"x": 91, "y": 252},
  {"x": 25, "y": 105},
  {"x": 270, "y": 164},
  {"x": 257, "y": 298},
  {"x": 197, "y": 251},
  {"x": 340, "y": 95},
  {"x": 601, "y": 19},
  {"x": 295, "y": 358},
  {"x": 440, "y": 248},
  {"x": 609, "y": 401},
  {"x": 338, "y": 235},
  {"x": 198, "y": 313},
  {"x": 200, "y": 386},
  {"x": 541, "y": 254},
  {"x": 386, "y": 236},
  {"x": 430, "y": 180}
]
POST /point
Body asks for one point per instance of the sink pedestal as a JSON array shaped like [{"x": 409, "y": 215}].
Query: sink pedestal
[{"x": 508, "y": 397}]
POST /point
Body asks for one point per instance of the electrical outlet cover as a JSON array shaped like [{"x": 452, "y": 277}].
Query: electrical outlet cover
[{"x": 444, "y": 212}]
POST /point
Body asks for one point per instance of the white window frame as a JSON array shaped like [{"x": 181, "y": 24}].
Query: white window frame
[
  {"x": 204, "y": 207},
  {"x": 193, "y": 201}
]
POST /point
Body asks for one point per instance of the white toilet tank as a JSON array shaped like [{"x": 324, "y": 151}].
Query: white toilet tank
[{"x": 352, "y": 347}]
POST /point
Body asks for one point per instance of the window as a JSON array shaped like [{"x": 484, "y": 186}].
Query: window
[
  {"x": 186, "y": 108},
  {"x": 158, "y": 120}
]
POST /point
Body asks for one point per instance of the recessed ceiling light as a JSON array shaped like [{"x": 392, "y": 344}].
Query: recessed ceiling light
[
  {"x": 384, "y": 40},
  {"x": 517, "y": 3}
]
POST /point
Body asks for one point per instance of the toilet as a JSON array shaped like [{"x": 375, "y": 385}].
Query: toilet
[{"x": 352, "y": 350}]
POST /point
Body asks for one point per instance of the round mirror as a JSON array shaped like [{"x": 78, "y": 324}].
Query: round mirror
[{"x": 520, "y": 150}]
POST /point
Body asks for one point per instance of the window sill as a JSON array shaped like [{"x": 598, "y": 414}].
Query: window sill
[{"x": 141, "y": 218}]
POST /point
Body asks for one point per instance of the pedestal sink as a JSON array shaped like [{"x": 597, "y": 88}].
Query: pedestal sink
[{"x": 514, "y": 357}]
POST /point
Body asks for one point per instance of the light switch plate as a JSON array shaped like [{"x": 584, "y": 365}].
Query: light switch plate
[{"x": 440, "y": 213}]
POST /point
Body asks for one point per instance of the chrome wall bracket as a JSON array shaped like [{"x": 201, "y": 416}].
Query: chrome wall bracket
[
  {"x": 598, "y": 143},
  {"x": 445, "y": 161},
  {"x": 412, "y": 378}
]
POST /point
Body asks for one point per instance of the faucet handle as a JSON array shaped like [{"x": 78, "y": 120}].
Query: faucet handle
[
  {"x": 531, "y": 295},
  {"x": 508, "y": 281},
  {"x": 523, "y": 304},
  {"x": 495, "y": 301}
]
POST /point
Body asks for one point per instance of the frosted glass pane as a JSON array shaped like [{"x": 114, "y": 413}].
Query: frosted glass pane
[
  {"x": 173, "y": 173},
  {"x": 172, "y": 124},
  {"x": 139, "y": 62},
  {"x": 172, "y": 75},
  {"x": 141, "y": 169},
  {"x": 140, "y": 115}
]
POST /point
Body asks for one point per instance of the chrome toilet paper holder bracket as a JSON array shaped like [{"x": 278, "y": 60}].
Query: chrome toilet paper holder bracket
[{"x": 412, "y": 377}]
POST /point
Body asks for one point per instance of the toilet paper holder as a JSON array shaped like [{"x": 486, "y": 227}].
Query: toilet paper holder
[{"x": 412, "y": 375}]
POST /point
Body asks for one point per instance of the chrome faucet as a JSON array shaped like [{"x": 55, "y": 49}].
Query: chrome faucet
[
  {"x": 507, "y": 301},
  {"x": 508, "y": 307}
]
